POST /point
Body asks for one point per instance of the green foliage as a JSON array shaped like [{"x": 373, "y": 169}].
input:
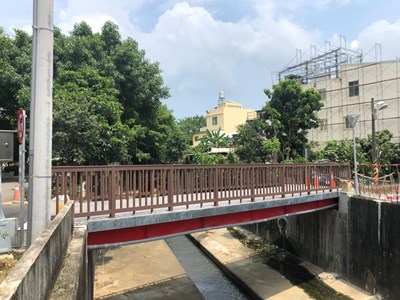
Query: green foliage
[
  {"x": 15, "y": 66},
  {"x": 171, "y": 140},
  {"x": 190, "y": 126},
  {"x": 272, "y": 148},
  {"x": 342, "y": 151},
  {"x": 250, "y": 142},
  {"x": 201, "y": 158},
  {"x": 107, "y": 97},
  {"x": 215, "y": 139},
  {"x": 289, "y": 114},
  {"x": 87, "y": 126}
]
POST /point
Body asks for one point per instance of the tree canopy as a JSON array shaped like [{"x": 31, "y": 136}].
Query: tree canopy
[
  {"x": 281, "y": 132},
  {"x": 290, "y": 114},
  {"x": 190, "y": 126},
  {"x": 107, "y": 97}
]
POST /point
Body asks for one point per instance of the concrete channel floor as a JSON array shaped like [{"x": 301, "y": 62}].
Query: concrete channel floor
[{"x": 151, "y": 271}]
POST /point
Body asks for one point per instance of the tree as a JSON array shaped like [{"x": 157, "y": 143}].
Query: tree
[
  {"x": 215, "y": 139},
  {"x": 135, "y": 124},
  {"x": 87, "y": 126},
  {"x": 249, "y": 142},
  {"x": 15, "y": 66},
  {"x": 289, "y": 114},
  {"x": 191, "y": 125}
]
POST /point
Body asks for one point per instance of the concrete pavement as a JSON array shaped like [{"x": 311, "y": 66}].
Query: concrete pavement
[
  {"x": 151, "y": 271},
  {"x": 262, "y": 282},
  {"x": 142, "y": 271}
]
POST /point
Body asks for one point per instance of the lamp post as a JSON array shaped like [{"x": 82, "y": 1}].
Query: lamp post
[
  {"x": 351, "y": 121},
  {"x": 375, "y": 107}
]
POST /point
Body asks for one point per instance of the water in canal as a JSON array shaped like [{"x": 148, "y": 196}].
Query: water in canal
[{"x": 210, "y": 281}]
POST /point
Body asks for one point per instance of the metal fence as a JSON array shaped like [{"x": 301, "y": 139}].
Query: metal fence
[
  {"x": 108, "y": 190},
  {"x": 379, "y": 181}
]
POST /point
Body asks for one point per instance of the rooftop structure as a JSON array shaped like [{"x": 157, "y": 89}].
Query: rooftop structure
[{"x": 322, "y": 63}]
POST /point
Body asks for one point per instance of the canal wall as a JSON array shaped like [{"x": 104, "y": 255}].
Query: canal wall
[
  {"x": 56, "y": 266},
  {"x": 359, "y": 241}
]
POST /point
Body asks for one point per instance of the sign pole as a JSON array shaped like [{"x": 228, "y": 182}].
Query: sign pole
[
  {"x": 21, "y": 125},
  {"x": 1, "y": 198}
]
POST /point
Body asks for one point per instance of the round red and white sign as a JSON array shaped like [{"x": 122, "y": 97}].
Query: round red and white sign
[{"x": 21, "y": 125}]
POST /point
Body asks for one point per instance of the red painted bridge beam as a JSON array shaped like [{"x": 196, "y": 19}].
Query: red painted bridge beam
[{"x": 101, "y": 239}]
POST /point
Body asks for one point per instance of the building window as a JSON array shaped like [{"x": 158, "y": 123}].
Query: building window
[
  {"x": 354, "y": 88},
  {"x": 214, "y": 120},
  {"x": 323, "y": 124},
  {"x": 323, "y": 94}
]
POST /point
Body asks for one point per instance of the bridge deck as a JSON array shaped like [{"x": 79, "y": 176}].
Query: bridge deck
[
  {"x": 126, "y": 228},
  {"x": 172, "y": 199}
]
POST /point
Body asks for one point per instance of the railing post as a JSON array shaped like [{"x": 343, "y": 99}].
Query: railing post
[
  {"x": 113, "y": 192},
  {"x": 252, "y": 184},
  {"x": 332, "y": 183},
  {"x": 216, "y": 186},
  {"x": 308, "y": 180},
  {"x": 170, "y": 189},
  {"x": 283, "y": 180}
]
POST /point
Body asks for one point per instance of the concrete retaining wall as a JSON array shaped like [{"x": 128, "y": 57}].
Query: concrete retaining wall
[
  {"x": 360, "y": 242},
  {"x": 374, "y": 258},
  {"x": 73, "y": 280},
  {"x": 319, "y": 237},
  {"x": 34, "y": 275}
]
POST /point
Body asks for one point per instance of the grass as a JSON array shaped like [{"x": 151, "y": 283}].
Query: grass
[{"x": 7, "y": 262}]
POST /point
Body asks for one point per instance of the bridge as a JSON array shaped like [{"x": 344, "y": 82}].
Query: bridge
[{"x": 127, "y": 204}]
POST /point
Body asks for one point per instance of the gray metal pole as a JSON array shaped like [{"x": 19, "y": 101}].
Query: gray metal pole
[
  {"x": 373, "y": 131},
  {"x": 355, "y": 161},
  {"x": 40, "y": 146},
  {"x": 22, "y": 191},
  {"x": 1, "y": 199}
]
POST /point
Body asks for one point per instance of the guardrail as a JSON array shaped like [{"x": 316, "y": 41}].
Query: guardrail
[
  {"x": 379, "y": 181},
  {"x": 107, "y": 190}
]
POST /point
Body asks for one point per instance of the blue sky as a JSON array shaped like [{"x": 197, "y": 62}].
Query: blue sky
[{"x": 237, "y": 46}]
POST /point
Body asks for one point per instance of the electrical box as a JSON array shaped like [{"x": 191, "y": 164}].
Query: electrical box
[
  {"x": 8, "y": 231},
  {"x": 7, "y": 138}
]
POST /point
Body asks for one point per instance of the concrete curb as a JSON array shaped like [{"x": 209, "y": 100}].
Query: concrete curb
[{"x": 248, "y": 290}]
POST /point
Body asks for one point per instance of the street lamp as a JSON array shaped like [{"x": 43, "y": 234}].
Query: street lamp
[
  {"x": 351, "y": 121},
  {"x": 375, "y": 107}
]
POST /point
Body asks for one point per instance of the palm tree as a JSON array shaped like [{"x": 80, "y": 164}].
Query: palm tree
[{"x": 215, "y": 139}]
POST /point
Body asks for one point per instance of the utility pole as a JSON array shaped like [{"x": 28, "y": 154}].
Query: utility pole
[{"x": 41, "y": 119}]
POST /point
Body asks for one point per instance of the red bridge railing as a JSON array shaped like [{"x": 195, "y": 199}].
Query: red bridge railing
[{"x": 108, "y": 190}]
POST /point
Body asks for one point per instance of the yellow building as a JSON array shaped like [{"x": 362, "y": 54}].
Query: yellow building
[{"x": 227, "y": 115}]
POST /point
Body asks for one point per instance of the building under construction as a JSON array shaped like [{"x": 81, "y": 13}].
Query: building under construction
[{"x": 347, "y": 82}]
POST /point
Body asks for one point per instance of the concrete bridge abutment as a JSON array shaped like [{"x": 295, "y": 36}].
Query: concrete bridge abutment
[{"x": 358, "y": 241}]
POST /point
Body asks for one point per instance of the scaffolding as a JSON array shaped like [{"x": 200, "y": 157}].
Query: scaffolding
[{"x": 322, "y": 63}]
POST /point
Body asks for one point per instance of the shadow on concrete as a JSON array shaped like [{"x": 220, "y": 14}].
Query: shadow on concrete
[
  {"x": 102, "y": 257},
  {"x": 179, "y": 287}
]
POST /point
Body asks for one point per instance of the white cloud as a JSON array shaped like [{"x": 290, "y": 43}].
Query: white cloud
[
  {"x": 96, "y": 13},
  {"x": 202, "y": 50},
  {"x": 382, "y": 32},
  {"x": 201, "y": 55}
]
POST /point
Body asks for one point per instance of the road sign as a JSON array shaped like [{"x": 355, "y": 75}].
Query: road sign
[{"x": 21, "y": 125}]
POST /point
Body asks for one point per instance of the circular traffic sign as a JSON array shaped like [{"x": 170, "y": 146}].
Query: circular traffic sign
[{"x": 21, "y": 125}]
